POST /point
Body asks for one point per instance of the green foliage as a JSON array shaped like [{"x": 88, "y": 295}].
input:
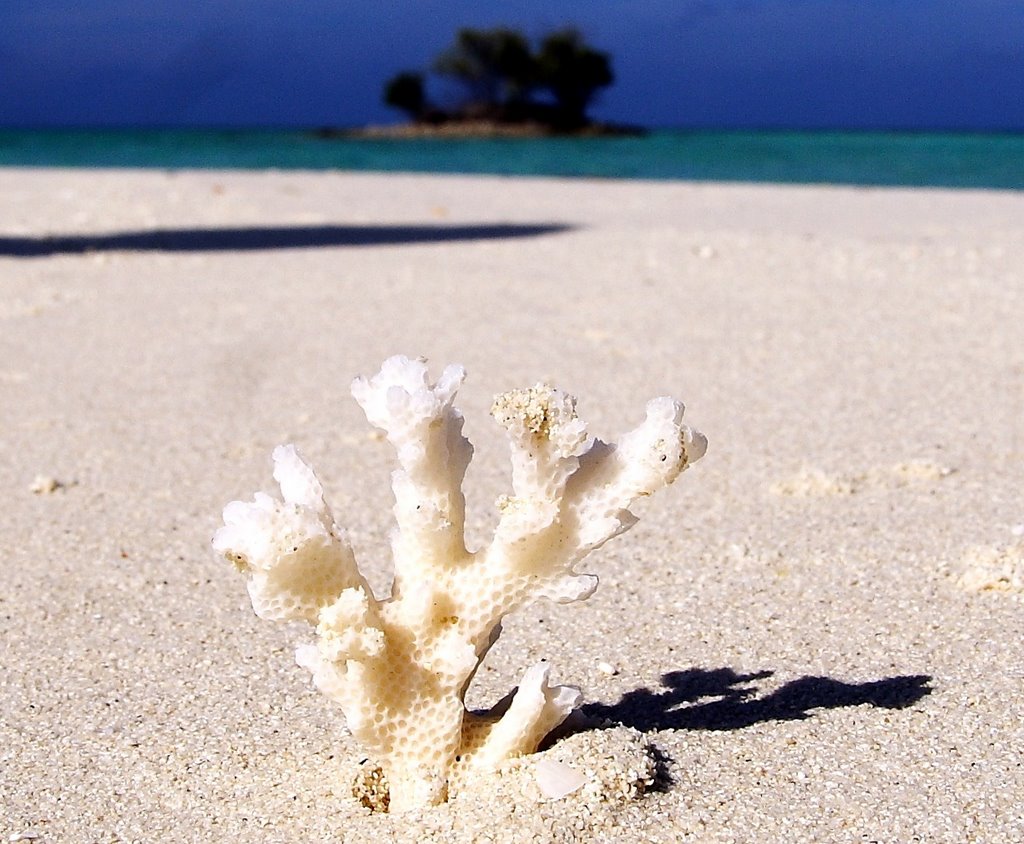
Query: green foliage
[
  {"x": 405, "y": 91},
  {"x": 501, "y": 74},
  {"x": 573, "y": 72},
  {"x": 495, "y": 65}
]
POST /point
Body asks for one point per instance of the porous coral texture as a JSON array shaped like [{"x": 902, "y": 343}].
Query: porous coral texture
[{"x": 399, "y": 667}]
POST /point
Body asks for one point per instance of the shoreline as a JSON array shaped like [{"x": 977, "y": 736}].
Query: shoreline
[{"x": 471, "y": 128}]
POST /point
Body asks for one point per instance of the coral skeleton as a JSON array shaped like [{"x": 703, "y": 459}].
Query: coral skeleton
[{"x": 399, "y": 667}]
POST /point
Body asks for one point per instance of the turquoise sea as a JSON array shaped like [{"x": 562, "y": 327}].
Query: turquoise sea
[{"x": 860, "y": 158}]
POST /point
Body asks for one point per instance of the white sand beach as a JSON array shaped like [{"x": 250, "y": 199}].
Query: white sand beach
[{"x": 815, "y": 635}]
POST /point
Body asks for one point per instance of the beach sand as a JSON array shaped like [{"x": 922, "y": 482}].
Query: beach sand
[{"x": 815, "y": 635}]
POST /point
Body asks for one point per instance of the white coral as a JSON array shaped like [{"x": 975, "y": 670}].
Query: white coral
[{"x": 399, "y": 667}]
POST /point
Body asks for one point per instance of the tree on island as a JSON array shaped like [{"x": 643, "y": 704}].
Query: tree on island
[
  {"x": 506, "y": 81},
  {"x": 406, "y": 92},
  {"x": 573, "y": 73},
  {"x": 495, "y": 66}
]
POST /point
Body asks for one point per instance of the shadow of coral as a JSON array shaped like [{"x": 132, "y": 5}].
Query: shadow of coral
[
  {"x": 251, "y": 238},
  {"x": 720, "y": 699}
]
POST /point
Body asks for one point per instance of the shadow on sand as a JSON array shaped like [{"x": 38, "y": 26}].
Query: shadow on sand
[
  {"x": 719, "y": 699},
  {"x": 252, "y": 238}
]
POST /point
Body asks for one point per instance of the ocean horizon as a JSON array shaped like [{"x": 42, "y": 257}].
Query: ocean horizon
[{"x": 869, "y": 158}]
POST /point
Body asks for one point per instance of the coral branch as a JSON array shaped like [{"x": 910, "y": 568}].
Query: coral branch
[
  {"x": 547, "y": 439},
  {"x": 572, "y": 493},
  {"x": 519, "y": 722},
  {"x": 426, "y": 432},
  {"x": 297, "y": 559},
  {"x": 400, "y": 667},
  {"x": 612, "y": 477}
]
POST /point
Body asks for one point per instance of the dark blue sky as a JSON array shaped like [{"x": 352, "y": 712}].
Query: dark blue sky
[{"x": 955, "y": 64}]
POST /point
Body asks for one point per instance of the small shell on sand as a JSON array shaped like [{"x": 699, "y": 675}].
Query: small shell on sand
[
  {"x": 45, "y": 485},
  {"x": 556, "y": 779}
]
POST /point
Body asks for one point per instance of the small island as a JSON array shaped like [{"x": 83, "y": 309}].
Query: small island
[{"x": 509, "y": 88}]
